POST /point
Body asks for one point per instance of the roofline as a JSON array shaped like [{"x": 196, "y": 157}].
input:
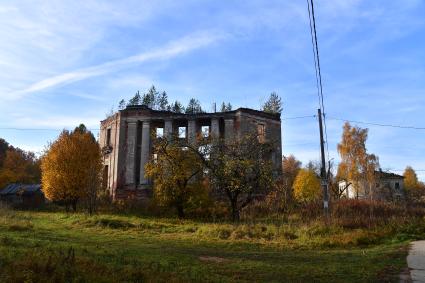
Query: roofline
[{"x": 272, "y": 116}]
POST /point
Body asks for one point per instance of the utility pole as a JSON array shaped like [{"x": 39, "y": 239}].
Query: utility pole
[{"x": 323, "y": 174}]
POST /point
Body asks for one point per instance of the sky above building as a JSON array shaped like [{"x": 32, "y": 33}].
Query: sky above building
[{"x": 69, "y": 62}]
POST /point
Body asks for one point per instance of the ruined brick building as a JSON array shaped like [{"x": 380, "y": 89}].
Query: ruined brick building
[{"x": 125, "y": 139}]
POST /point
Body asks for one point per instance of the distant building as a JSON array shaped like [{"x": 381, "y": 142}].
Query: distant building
[
  {"x": 125, "y": 139},
  {"x": 388, "y": 186},
  {"x": 25, "y": 195}
]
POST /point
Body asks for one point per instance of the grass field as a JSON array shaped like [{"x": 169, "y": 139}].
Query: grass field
[{"x": 60, "y": 247}]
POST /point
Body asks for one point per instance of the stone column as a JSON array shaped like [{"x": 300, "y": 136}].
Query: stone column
[
  {"x": 215, "y": 128},
  {"x": 229, "y": 129},
  {"x": 191, "y": 131},
  {"x": 131, "y": 153},
  {"x": 145, "y": 150},
  {"x": 168, "y": 129}
]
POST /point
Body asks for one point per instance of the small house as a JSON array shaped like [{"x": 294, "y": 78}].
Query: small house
[
  {"x": 24, "y": 195},
  {"x": 388, "y": 186}
]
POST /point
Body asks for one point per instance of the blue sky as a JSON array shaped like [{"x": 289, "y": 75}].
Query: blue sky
[{"x": 68, "y": 62}]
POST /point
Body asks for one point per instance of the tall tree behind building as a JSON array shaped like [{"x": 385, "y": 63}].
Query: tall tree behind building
[
  {"x": 273, "y": 104},
  {"x": 356, "y": 166},
  {"x": 135, "y": 100},
  {"x": 150, "y": 99},
  {"x": 194, "y": 106},
  {"x": 226, "y": 107},
  {"x": 177, "y": 107},
  {"x": 121, "y": 104},
  {"x": 162, "y": 101}
]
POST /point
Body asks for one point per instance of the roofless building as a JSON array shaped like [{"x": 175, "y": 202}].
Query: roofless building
[{"x": 126, "y": 140}]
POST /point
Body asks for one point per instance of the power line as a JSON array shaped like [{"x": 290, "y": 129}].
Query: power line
[
  {"x": 416, "y": 170},
  {"x": 283, "y": 119},
  {"x": 299, "y": 117},
  {"x": 316, "y": 56},
  {"x": 39, "y": 129},
  {"x": 314, "y": 53},
  {"x": 378, "y": 124}
]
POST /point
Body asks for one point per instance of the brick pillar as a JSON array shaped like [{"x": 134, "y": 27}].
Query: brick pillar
[
  {"x": 191, "y": 131},
  {"x": 229, "y": 129},
  {"x": 131, "y": 153},
  {"x": 168, "y": 129},
  {"x": 145, "y": 150},
  {"x": 215, "y": 128}
]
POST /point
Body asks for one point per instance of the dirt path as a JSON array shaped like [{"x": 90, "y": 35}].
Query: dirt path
[{"x": 416, "y": 261}]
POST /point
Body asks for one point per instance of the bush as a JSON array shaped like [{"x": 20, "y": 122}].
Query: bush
[{"x": 366, "y": 213}]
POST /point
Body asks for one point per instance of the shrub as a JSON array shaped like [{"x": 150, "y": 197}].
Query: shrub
[{"x": 366, "y": 213}]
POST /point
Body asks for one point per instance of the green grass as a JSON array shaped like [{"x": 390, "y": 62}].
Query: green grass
[{"x": 59, "y": 247}]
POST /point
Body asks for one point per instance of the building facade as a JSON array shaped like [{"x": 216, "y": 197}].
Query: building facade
[
  {"x": 126, "y": 140},
  {"x": 388, "y": 186}
]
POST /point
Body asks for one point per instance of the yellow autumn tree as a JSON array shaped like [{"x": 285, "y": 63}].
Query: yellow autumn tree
[
  {"x": 19, "y": 166},
  {"x": 357, "y": 166},
  {"x": 410, "y": 179},
  {"x": 307, "y": 186},
  {"x": 71, "y": 168},
  {"x": 176, "y": 171},
  {"x": 415, "y": 190}
]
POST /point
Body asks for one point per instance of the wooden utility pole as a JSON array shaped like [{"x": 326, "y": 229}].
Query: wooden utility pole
[{"x": 323, "y": 175}]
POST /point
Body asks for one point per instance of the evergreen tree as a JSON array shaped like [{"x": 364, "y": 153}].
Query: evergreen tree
[
  {"x": 226, "y": 107},
  {"x": 194, "y": 106},
  {"x": 223, "y": 107},
  {"x": 150, "y": 99},
  {"x": 121, "y": 104},
  {"x": 163, "y": 101},
  {"x": 177, "y": 107},
  {"x": 229, "y": 106},
  {"x": 273, "y": 104},
  {"x": 136, "y": 100}
]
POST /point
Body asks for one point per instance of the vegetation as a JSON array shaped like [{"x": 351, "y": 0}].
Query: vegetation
[
  {"x": 159, "y": 101},
  {"x": 239, "y": 169},
  {"x": 415, "y": 190},
  {"x": 307, "y": 186},
  {"x": 290, "y": 168},
  {"x": 46, "y": 246},
  {"x": 280, "y": 232},
  {"x": 356, "y": 166},
  {"x": 17, "y": 165},
  {"x": 226, "y": 107},
  {"x": 71, "y": 169},
  {"x": 411, "y": 181},
  {"x": 273, "y": 104},
  {"x": 194, "y": 107},
  {"x": 177, "y": 174}
]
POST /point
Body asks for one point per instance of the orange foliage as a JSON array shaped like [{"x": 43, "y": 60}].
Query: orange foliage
[
  {"x": 19, "y": 167},
  {"x": 71, "y": 167}
]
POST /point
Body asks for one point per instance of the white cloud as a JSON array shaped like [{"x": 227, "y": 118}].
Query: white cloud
[
  {"x": 56, "y": 122},
  {"x": 172, "y": 49}
]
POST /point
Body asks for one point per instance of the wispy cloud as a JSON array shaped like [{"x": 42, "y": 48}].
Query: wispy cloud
[{"x": 172, "y": 49}]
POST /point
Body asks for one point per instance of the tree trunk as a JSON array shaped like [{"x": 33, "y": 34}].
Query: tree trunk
[
  {"x": 180, "y": 211},
  {"x": 235, "y": 211},
  {"x": 74, "y": 205}
]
